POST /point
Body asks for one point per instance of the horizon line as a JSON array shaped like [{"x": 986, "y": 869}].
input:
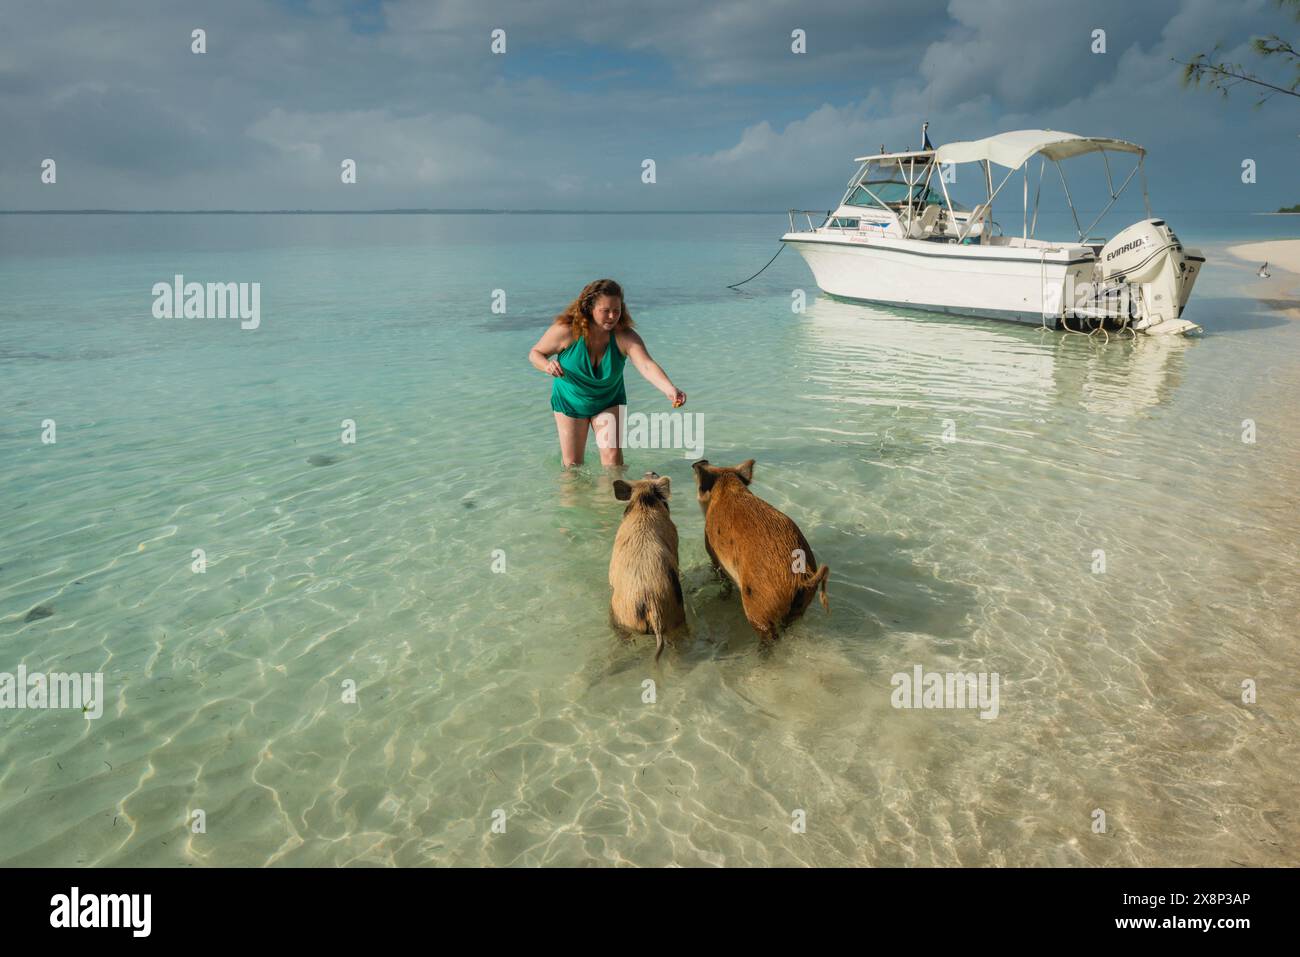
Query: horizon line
[
  {"x": 473, "y": 211},
  {"x": 414, "y": 211}
]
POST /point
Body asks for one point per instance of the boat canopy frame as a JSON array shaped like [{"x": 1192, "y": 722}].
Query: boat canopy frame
[
  {"x": 1013, "y": 151},
  {"x": 906, "y": 164}
]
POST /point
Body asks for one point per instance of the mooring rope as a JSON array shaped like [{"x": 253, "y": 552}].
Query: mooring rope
[{"x": 760, "y": 272}]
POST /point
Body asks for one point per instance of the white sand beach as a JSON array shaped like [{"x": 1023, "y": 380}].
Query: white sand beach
[
  {"x": 1282, "y": 290},
  {"x": 1283, "y": 253}
]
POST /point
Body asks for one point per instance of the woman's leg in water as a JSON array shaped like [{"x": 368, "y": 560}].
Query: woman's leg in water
[
  {"x": 573, "y": 438},
  {"x": 609, "y": 430}
]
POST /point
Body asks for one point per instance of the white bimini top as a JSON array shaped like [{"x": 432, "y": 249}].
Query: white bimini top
[{"x": 1014, "y": 148}]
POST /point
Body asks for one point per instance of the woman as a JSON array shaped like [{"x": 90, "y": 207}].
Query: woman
[{"x": 585, "y": 349}]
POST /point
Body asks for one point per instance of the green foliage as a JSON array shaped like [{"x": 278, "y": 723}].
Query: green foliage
[{"x": 1223, "y": 75}]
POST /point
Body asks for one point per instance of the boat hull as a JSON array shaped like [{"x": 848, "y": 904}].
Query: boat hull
[{"x": 1013, "y": 284}]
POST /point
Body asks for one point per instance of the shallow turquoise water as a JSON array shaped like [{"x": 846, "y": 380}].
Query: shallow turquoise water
[{"x": 480, "y": 691}]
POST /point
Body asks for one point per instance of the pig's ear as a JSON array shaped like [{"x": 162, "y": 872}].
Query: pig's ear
[
  {"x": 704, "y": 475},
  {"x": 664, "y": 484},
  {"x": 746, "y": 471},
  {"x": 622, "y": 491}
]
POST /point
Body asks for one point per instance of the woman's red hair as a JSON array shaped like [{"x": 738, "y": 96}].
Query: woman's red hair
[{"x": 579, "y": 312}]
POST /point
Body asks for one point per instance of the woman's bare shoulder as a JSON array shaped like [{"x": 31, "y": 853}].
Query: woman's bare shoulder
[
  {"x": 558, "y": 333},
  {"x": 627, "y": 338}
]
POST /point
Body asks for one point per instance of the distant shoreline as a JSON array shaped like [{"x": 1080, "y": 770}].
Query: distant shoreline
[
  {"x": 466, "y": 212},
  {"x": 392, "y": 212}
]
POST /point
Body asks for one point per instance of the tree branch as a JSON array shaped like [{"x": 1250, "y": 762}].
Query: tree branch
[{"x": 1194, "y": 70}]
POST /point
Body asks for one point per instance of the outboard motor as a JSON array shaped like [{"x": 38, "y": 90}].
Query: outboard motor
[{"x": 1148, "y": 255}]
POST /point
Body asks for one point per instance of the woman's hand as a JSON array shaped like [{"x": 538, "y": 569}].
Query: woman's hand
[
  {"x": 678, "y": 398},
  {"x": 554, "y": 341}
]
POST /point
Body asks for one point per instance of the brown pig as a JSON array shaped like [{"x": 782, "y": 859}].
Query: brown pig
[
  {"x": 643, "y": 569},
  {"x": 759, "y": 548}
]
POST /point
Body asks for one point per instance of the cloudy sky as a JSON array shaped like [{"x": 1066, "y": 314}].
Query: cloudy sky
[{"x": 411, "y": 91}]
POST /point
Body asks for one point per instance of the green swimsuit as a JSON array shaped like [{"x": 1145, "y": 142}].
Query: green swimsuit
[{"x": 582, "y": 393}]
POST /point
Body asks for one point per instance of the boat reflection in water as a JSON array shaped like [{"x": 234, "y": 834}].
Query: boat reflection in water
[{"x": 878, "y": 356}]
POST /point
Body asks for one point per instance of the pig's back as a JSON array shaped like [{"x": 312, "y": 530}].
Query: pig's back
[
  {"x": 642, "y": 553},
  {"x": 644, "y": 577},
  {"x": 754, "y": 537}
]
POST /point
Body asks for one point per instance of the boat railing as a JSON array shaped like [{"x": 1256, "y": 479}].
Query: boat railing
[{"x": 807, "y": 214}]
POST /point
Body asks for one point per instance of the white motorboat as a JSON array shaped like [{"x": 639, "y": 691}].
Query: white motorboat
[{"x": 898, "y": 238}]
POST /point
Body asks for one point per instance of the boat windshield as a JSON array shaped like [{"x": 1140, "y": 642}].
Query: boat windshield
[{"x": 892, "y": 191}]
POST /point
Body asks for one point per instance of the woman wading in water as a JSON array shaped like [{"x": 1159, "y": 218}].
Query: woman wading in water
[{"x": 585, "y": 350}]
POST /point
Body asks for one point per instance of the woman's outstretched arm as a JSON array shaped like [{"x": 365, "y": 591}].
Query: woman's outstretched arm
[
  {"x": 554, "y": 341},
  {"x": 634, "y": 348}
]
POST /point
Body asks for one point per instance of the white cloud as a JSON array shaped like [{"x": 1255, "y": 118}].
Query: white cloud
[{"x": 712, "y": 92}]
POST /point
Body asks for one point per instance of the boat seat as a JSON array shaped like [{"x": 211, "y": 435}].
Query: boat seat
[
  {"x": 976, "y": 215},
  {"x": 923, "y": 225}
]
